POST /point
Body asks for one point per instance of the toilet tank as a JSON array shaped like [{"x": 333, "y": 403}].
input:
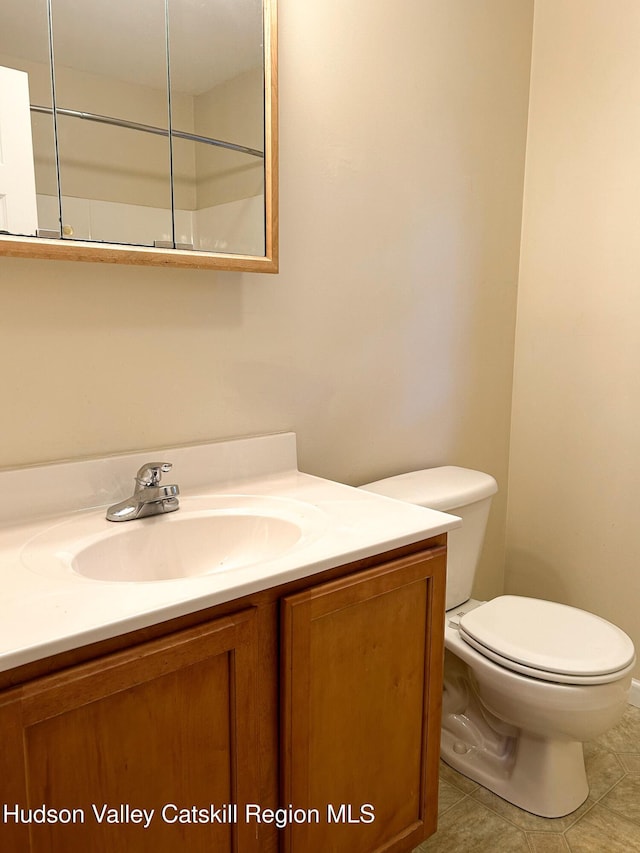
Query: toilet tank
[{"x": 462, "y": 492}]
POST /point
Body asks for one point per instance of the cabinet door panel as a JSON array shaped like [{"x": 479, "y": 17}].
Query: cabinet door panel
[
  {"x": 362, "y": 670},
  {"x": 168, "y": 724}
]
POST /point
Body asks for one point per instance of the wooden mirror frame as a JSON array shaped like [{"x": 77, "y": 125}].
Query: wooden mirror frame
[{"x": 79, "y": 250}]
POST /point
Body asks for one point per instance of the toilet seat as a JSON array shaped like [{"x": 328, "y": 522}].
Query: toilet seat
[{"x": 548, "y": 641}]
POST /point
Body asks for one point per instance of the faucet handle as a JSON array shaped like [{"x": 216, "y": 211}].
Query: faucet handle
[{"x": 151, "y": 473}]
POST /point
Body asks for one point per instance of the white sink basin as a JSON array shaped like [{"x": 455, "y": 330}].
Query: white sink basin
[{"x": 206, "y": 535}]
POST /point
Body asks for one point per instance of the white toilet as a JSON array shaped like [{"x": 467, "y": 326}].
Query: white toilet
[{"x": 526, "y": 681}]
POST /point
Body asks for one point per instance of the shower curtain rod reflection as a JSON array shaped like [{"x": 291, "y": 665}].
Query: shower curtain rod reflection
[{"x": 148, "y": 128}]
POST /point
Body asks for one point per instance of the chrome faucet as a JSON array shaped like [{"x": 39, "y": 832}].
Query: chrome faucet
[{"x": 149, "y": 496}]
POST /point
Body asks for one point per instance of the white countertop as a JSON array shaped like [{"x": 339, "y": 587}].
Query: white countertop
[{"x": 45, "y": 613}]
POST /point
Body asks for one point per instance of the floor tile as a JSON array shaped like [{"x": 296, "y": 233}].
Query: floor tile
[
  {"x": 547, "y": 842},
  {"x": 601, "y": 830},
  {"x": 624, "y": 799},
  {"x": 630, "y": 761},
  {"x": 448, "y": 796},
  {"x": 603, "y": 769},
  {"x": 468, "y": 827},
  {"x": 457, "y": 779}
]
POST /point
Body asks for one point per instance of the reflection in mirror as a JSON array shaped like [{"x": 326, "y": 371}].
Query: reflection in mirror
[
  {"x": 28, "y": 143},
  {"x": 152, "y": 125},
  {"x": 216, "y": 61},
  {"x": 114, "y": 181}
]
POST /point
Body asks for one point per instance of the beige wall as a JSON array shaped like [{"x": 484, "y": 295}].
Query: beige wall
[
  {"x": 573, "y": 530},
  {"x": 386, "y": 342}
]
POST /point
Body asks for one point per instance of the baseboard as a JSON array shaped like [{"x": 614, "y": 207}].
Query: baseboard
[{"x": 634, "y": 694}]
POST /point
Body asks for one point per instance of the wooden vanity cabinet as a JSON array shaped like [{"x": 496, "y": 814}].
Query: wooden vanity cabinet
[
  {"x": 321, "y": 693},
  {"x": 362, "y": 693},
  {"x": 171, "y": 721}
]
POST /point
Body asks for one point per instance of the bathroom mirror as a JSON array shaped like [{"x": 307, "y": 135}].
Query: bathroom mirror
[{"x": 141, "y": 133}]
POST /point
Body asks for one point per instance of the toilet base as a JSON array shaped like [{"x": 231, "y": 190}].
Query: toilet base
[
  {"x": 522, "y": 737},
  {"x": 541, "y": 776}
]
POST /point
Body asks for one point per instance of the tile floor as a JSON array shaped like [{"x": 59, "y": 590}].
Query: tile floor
[{"x": 473, "y": 820}]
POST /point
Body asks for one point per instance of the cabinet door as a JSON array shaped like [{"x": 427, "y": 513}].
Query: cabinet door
[
  {"x": 362, "y": 692},
  {"x": 167, "y": 725}
]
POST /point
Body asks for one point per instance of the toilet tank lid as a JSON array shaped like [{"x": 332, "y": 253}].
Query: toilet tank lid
[{"x": 445, "y": 488}]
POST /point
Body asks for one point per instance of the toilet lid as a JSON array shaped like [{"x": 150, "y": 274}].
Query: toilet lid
[{"x": 547, "y": 636}]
